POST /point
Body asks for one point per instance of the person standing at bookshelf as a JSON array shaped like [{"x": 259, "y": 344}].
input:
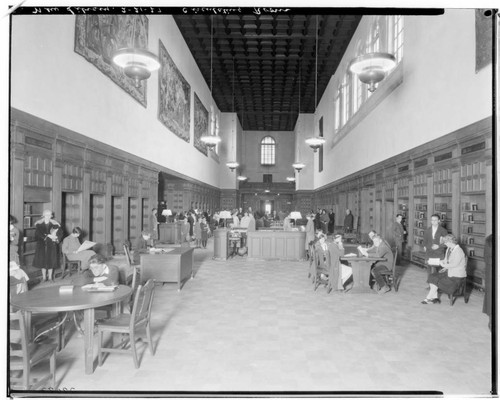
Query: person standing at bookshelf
[
  {"x": 70, "y": 246},
  {"x": 433, "y": 242},
  {"x": 399, "y": 232},
  {"x": 48, "y": 234}
]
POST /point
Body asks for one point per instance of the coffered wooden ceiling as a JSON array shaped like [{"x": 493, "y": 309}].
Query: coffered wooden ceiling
[{"x": 272, "y": 59}]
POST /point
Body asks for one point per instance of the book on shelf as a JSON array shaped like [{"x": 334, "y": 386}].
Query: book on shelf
[
  {"x": 474, "y": 207},
  {"x": 27, "y": 222}
]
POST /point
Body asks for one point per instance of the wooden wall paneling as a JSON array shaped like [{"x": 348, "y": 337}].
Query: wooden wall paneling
[
  {"x": 118, "y": 223},
  {"x": 86, "y": 212},
  {"x": 108, "y": 218},
  {"x": 97, "y": 231},
  {"x": 16, "y": 176},
  {"x": 71, "y": 216}
]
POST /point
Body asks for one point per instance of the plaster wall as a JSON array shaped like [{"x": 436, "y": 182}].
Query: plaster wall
[
  {"x": 53, "y": 82},
  {"x": 440, "y": 93}
]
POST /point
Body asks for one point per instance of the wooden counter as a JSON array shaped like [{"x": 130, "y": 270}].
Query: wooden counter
[
  {"x": 170, "y": 232},
  {"x": 276, "y": 245}
]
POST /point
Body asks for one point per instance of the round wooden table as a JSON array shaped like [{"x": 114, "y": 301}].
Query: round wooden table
[{"x": 49, "y": 299}]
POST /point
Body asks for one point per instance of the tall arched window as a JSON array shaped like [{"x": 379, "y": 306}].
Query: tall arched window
[
  {"x": 267, "y": 151},
  {"x": 397, "y": 37},
  {"x": 345, "y": 98},
  {"x": 336, "y": 111}
]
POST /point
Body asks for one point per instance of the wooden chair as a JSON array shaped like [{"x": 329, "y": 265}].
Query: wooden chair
[
  {"x": 319, "y": 267},
  {"x": 23, "y": 355},
  {"x": 135, "y": 278},
  {"x": 41, "y": 322},
  {"x": 70, "y": 266},
  {"x": 129, "y": 324},
  {"x": 460, "y": 291},
  {"x": 391, "y": 277}
]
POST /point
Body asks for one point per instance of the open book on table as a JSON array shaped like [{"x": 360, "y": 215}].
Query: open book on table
[
  {"x": 85, "y": 246},
  {"x": 99, "y": 287}
]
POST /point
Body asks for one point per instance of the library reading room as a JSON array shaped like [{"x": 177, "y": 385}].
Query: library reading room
[{"x": 251, "y": 201}]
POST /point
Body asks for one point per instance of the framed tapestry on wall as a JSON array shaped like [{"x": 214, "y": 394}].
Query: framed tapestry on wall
[
  {"x": 98, "y": 36},
  {"x": 174, "y": 96},
  {"x": 200, "y": 124}
]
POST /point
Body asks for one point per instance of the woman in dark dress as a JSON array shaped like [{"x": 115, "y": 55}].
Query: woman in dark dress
[{"x": 48, "y": 234}]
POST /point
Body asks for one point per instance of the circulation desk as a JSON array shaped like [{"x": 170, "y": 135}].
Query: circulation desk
[
  {"x": 276, "y": 245},
  {"x": 174, "y": 266}
]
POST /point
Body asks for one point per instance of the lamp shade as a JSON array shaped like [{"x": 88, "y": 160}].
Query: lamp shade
[
  {"x": 315, "y": 142},
  {"x": 166, "y": 213},
  {"x": 242, "y": 178},
  {"x": 372, "y": 68},
  {"x": 298, "y": 166},
  {"x": 210, "y": 140},
  {"x": 232, "y": 165},
  {"x": 290, "y": 178},
  {"x": 137, "y": 63},
  {"x": 295, "y": 215},
  {"x": 225, "y": 215}
]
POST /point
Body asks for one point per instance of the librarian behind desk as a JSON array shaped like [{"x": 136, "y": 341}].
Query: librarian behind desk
[{"x": 49, "y": 299}]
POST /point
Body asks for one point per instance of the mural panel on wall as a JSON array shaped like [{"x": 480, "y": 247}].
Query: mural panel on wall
[
  {"x": 98, "y": 36},
  {"x": 174, "y": 96},
  {"x": 200, "y": 124}
]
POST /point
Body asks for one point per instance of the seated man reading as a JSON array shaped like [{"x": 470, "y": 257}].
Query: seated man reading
[
  {"x": 98, "y": 272},
  {"x": 340, "y": 273},
  {"x": 382, "y": 250}
]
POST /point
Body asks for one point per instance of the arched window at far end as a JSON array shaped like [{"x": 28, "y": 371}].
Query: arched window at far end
[{"x": 268, "y": 151}]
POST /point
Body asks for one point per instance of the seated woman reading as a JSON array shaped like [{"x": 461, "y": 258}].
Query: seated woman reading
[
  {"x": 449, "y": 277},
  {"x": 70, "y": 246},
  {"x": 98, "y": 272}
]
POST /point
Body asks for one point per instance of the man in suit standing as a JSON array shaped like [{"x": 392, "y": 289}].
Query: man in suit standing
[
  {"x": 433, "y": 242},
  {"x": 399, "y": 232},
  {"x": 348, "y": 221}
]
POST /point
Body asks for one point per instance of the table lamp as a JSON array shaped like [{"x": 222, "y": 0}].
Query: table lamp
[
  {"x": 167, "y": 213},
  {"x": 224, "y": 215},
  {"x": 295, "y": 215}
]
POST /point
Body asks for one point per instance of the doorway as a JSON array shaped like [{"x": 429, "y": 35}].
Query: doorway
[
  {"x": 96, "y": 229},
  {"x": 267, "y": 207},
  {"x": 71, "y": 211}
]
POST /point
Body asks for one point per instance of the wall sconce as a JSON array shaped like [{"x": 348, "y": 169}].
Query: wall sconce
[
  {"x": 298, "y": 166},
  {"x": 232, "y": 165},
  {"x": 372, "y": 68},
  {"x": 315, "y": 142}
]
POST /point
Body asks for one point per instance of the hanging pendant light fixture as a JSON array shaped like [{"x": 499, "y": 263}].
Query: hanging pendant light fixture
[
  {"x": 136, "y": 63},
  {"x": 316, "y": 142},
  {"x": 297, "y": 165},
  {"x": 372, "y": 68},
  {"x": 232, "y": 165},
  {"x": 211, "y": 140}
]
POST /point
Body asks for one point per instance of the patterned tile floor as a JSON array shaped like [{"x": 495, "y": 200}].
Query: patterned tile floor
[{"x": 246, "y": 326}]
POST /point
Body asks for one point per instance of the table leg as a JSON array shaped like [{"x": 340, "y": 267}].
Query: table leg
[
  {"x": 27, "y": 323},
  {"x": 360, "y": 277},
  {"x": 88, "y": 321}
]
